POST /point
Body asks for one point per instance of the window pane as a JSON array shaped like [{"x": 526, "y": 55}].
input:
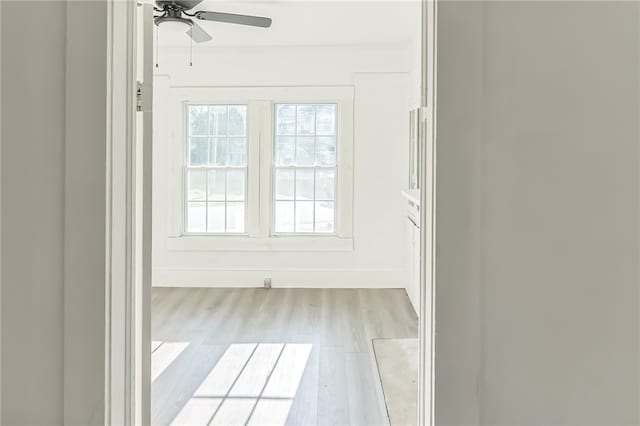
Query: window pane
[
  {"x": 325, "y": 216},
  {"x": 196, "y": 217},
  {"x": 215, "y": 217},
  {"x": 237, "y": 151},
  {"x": 285, "y": 151},
  {"x": 326, "y": 119},
  {"x": 198, "y": 151},
  {"x": 304, "y": 185},
  {"x": 304, "y": 151},
  {"x": 284, "y": 216},
  {"x": 235, "y": 185},
  {"x": 198, "y": 120},
  {"x": 219, "y": 151},
  {"x": 216, "y": 185},
  {"x": 285, "y": 119},
  {"x": 235, "y": 217},
  {"x": 284, "y": 184},
  {"x": 325, "y": 185},
  {"x": 218, "y": 120},
  {"x": 237, "y": 120},
  {"x": 306, "y": 120},
  {"x": 304, "y": 216},
  {"x": 326, "y": 151},
  {"x": 196, "y": 185}
]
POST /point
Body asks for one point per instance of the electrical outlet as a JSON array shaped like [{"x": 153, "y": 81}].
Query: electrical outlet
[{"x": 267, "y": 283}]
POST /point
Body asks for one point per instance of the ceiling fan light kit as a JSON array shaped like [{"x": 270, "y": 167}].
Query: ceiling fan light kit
[{"x": 177, "y": 13}]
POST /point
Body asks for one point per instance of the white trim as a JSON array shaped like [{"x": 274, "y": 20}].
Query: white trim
[
  {"x": 281, "y": 277},
  {"x": 0, "y": 215},
  {"x": 426, "y": 336},
  {"x": 245, "y": 243},
  {"x": 143, "y": 183},
  {"x": 261, "y": 153},
  {"x": 120, "y": 267}
]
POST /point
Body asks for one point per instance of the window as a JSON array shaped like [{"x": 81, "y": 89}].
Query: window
[
  {"x": 305, "y": 168},
  {"x": 258, "y": 168},
  {"x": 216, "y": 169}
]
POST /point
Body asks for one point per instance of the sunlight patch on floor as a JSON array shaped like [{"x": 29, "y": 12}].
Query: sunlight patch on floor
[
  {"x": 271, "y": 412},
  {"x": 233, "y": 412},
  {"x": 257, "y": 371},
  {"x": 155, "y": 344},
  {"x": 287, "y": 374},
  {"x": 164, "y": 355},
  {"x": 251, "y": 384},
  {"x": 226, "y": 371},
  {"x": 197, "y": 411}
]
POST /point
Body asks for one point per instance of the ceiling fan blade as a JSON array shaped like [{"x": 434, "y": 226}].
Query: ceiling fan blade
[
  {"x": 231, "y": 18},
  {"x": 198, "y": 34}
]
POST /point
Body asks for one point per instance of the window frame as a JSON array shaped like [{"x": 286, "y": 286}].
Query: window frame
[
  {"x": 186, "y": 168},
  {"x": 260, "y": 140}
]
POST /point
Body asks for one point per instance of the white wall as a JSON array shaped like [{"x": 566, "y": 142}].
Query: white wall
[
  {"x": 53, "y": 187},
  {"x": 380, "y": 78},
  {"x": 537, "y": 213}
]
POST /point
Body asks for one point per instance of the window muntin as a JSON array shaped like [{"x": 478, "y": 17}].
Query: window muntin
[
  {"x": 305, "y": 168},
  {"x": 216, "y": 169}
]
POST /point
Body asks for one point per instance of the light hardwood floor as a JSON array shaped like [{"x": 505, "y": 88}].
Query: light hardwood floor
[{"x": 268, "y": 357}]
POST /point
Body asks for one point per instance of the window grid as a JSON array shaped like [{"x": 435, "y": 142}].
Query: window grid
[
  {"x": 210, "y": 168},
  {"x": 207, "y": 171},
  {"x": 315, "y": 168}
]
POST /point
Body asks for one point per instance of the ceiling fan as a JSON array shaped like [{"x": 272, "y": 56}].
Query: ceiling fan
[{"x": 178, "y": 11}]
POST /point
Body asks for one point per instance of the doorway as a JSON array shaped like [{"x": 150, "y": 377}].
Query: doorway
[{"x": 271, "y": 281}]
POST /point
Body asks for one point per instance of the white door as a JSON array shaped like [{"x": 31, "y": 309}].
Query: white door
[{"x": 143, "y": 179}]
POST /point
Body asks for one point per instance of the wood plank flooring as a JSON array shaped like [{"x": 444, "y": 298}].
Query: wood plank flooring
[{"x": 272, "y": 357}]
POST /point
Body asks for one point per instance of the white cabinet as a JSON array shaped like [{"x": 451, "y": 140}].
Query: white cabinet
[
  {"x": 413, "y": 284},
  {"x": 412, "y": 232}
]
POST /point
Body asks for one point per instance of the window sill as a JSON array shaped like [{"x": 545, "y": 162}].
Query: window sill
[{"x": 246, "y": 243}]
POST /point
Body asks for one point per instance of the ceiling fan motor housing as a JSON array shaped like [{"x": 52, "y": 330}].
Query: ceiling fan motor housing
[
  {"x": 177, "y": 4},
  {"x": 172, "y": 11},
  {"x": 160, "y": 19}
]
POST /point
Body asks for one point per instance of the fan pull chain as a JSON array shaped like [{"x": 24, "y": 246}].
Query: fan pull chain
[
  {"x": 157, "y": 31},
  {"x": 191, "y": 47}
]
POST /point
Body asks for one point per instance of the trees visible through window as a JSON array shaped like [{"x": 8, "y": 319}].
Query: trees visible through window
[
  {"x": 216, "y": 169},
  {"x": 294, "y": 191}
]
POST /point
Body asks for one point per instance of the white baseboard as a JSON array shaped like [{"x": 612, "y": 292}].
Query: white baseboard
[{"x": 284, "y": 278}]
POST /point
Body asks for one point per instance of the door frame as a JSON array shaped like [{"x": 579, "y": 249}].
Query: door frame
[
  {"x": 119, "y": 262},
  {"x": 427, "y": 315},
  {"x": 128, "y": 246},
  {"x": 127, "y": 310}
]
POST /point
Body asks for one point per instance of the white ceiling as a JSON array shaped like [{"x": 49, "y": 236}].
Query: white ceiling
[{"x": 304, "y": 22}]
